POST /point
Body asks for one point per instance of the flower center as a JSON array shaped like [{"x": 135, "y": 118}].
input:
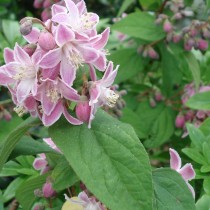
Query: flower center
[
  {"x": 53, "y": 94},
  {"x": 111, "y": 98},
  {"x": 87, "y": 21},
  {"x": 24, "y": 72},
  {"x": 20, "y": 110}
]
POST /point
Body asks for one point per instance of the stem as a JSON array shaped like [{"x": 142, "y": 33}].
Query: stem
[
  {"x": 162, "y": 7},
  {"x": 5, "y": 102}
]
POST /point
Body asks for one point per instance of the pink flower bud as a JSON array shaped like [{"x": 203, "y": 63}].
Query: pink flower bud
[
  {"x": 7, "y": 116},
  {"x": 152, "y": 102},
  {"x": 189, "y": 115},
  {"x": 152, "y": 53},
  {"x": 180, "y": 121},
  {"x": 83, "y": 111},
  {"x": 201, "y": 114},
  {"x": 193, "y": 32},
  {"x": 187, "y": 47},
  {"x": 177, "y": 38},
  {"x": 158, "y": 96},
  {"x": 38, "y": 3},
  {"x": 38, "y": 206},
  {"x": 167, "y": 27},
  {"x": 177, "y": 16},
  {"x": 48, "y": 191},
  {"x": 206, "y": 33},
  {"x": 30, "y": 49},
  {"x": 202, "y": 44},
  {"x": 47, "y": 3},
  {"x": 26, "y": 26},
  {"x": 46, "y": 14},
  {"x": 46, "y": 41}
]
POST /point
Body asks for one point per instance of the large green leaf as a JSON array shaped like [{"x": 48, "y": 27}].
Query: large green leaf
[
  {"x": 200, "y": 101},
  {"x": 125, "y": 5},
  {"x": 109, "y": 159},
  {"x": 171, "y": 191},
  {"x": 25, "y": 193},
  {"x": 203, "y": 203},
  {"x": 63, "y": 175},
  {"x": 13, "y": 138},
  {"x": 130, "y": 63},
  {"x": 140, "y": 25}
]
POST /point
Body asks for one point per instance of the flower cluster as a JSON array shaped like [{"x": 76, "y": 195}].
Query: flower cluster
[
  {"x": 41, "y": 74},
  {"x": 188, "y": 115},
  {"x": 187, "y": 172}
]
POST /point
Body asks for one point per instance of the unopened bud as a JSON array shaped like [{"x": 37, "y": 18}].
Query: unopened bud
[
  {"x": 177, "y": 16},
  {"x": 167, "y": 27},
  {"x": 48, "y": 191},
  {"x": 152, "y": 53},
  {"x": 152, "y": 102},
  {"x": 193, "y": 32},
  {"x": 201, "y": 114},
  {"x": 38, "y": 206},
  {"x": 187, "y": 47},
  {"x": 46, "y": 41},
  {"x": 83, "y": 111},
  {"x": 158, "y": 96},
  {"x": 206, "y": 33},
  {"x": 46, "y": 14},
  {"x": 38, "y": 3},
  {"x": 180, "y": 121},
  {"x": 26, "y": 26},
  {"x": 202, "y": 44},
  {"x": 189, "y": 115},
  {"x": 47, "y": 3},
  {"x": 7, "y": 116},
  {"x": 176, "y": 38},
  {"x": 30, "y": 49}
]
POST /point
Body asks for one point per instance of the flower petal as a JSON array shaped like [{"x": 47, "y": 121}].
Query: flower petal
[
  {"x": 51, "y": 59},
  {"x": 39, "y": 163},
  {"x": 100, "y": 63},
  {"x": 191, "y": 189},
  {"x": 73, "y": 10},
  {"x": 187, "y": 172},
  {"x": 33, "y": 36},
  {"x": 61, "y": 18},
  {"x": 89, "y": 54},
  {"x": 21, "y": 56},
  {"x": 175, "y": 160},
  {"x": 92, "y": 73},
  {"x": 4, "y": 78},
  {"x": 58, "y": 9},
  {"x": 63, "y": 35},
  {"x": 104, "y": 39},
  {"x": 71, "y": 119},
  {"x": 8, "y": 55}
]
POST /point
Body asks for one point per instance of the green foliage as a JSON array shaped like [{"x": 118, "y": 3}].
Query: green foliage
[
  {"x": 171, "y": 191},
  {"x": 109, "y": 154}
]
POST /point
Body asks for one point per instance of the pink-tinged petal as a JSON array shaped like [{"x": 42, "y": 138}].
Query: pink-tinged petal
[
  {"x": 48, "y": 120},
  {"x": 30, "y": 103},
  {"x": 175, "y": 160},
  {"x": 89, "y": 54},
  {"x": 4, "y": 78},
  {"x": 73, "y": 10},
  {"x": 42, "y": 155},
  {"x": 81, "y": 7},
  {"x": 71, "y": 119},
  {"x": 47, "y": 105},
  {"x": 109, "y": 78},
  {"x": 187, "y": 172},
  {"x": 92, "y": 73},
  {"x": 8, "y": 55},
  {"x": 63, "y": 35},
  {"x": 51, "y": 59},
  {"x": 39, "y": 163},
  {"x": 51, "y": 73},
  {"x": 191, "y": 189},
  {"x": 67, "y": 71},
  {"x": 68, "y": 92},
  {"x": 37, "y": 56},
  {"x": 24, "y": 89},
  {"x": 34, "y": 87},
  {"x": 33, "y": 36},
  {"x": 11, "y": 68},
  {"x": 94, "y": 95},
  {"x": 108, "y": 70},
  {"x": 50, "y": 142},
  {"x": 83, "y": 196},
  {"x": 100, "y": 63},
  {"x": 21, "y": 56},
  {"x": 61, "y": 18},
  {"x": 58, "y": 9},
  {"x": 103, "y": 41},
  {"x": 92, "y": 115}
]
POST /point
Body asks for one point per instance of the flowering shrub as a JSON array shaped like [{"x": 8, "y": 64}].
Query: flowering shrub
[{"x": 105, "y": 109}]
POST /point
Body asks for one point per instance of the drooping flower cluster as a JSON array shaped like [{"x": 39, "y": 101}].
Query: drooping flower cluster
[
  {"x": 188, "y": 115},
  {"x": 187, "y": 172},
  {"x": 41, "y": 74}
]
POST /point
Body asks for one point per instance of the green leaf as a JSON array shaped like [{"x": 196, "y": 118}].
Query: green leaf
[
  {"x": 200, "y": 101},
  {"x": 162, "y": 128},
  {"x": 109, "y": 159},
  {"x": 63, "y": 175},
  {"x": 205, "y": 168},
  {"x": 194, "y": 67},
  {"x": 206, "y": 149},
  {"x": 147, "y": 3},
  {"x": 206, "y": 185},
  {"x": 140, "y": 25},
  {"x": 1, "y": 201},
  {"x": 196, "y": 136},
  {"x": 9, "y": 193},
  {"x": 11, "y": 30},
  {"x": 13, "y": 138},
  {"x": 130, "y": 63},
  {"x": 195, "y": 155},
  {"x": 125, "y": 5},
  {"x": 10, "y": 169},
  {"x": 203, "y": 203},
  {"x": 25, "y": 193},
  {"x": 205, "y": 127},
  {"x": 28, "y": 146},
  {"x": 171, "y": 191}
]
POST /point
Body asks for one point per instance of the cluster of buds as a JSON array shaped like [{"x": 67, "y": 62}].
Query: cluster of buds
[
  {"x": 45, "y": 5},
  {"x": 83, "y": 201},
  {"x": 194, "y": 35},
  {"x": 147, "y": 51},
  {"x": 187, "y": 115},
  {"x": 187, "y": 172},
  {"x": 40, "y": 75}
]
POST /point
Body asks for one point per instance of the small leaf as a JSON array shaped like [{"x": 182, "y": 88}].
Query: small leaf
[
  {"x": 13, "y": 138},
  {"x": 205, "y": 168},
  {"x": 109, "y": 154},
  {"x": 206, "y": 185},
  {"x": 200, "y": 101},
  {"x": 140, "y": 25},
  {"x": 10, "y": 169},
  {"x": 205, "y": 127},
  {"x": 206, "y": 149},
  {"x": 63, "y": 175},
  {"x": 203, "y": 203},
  {"x": 171, "y": 191},
  {"x": 125, "y": 5}
]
